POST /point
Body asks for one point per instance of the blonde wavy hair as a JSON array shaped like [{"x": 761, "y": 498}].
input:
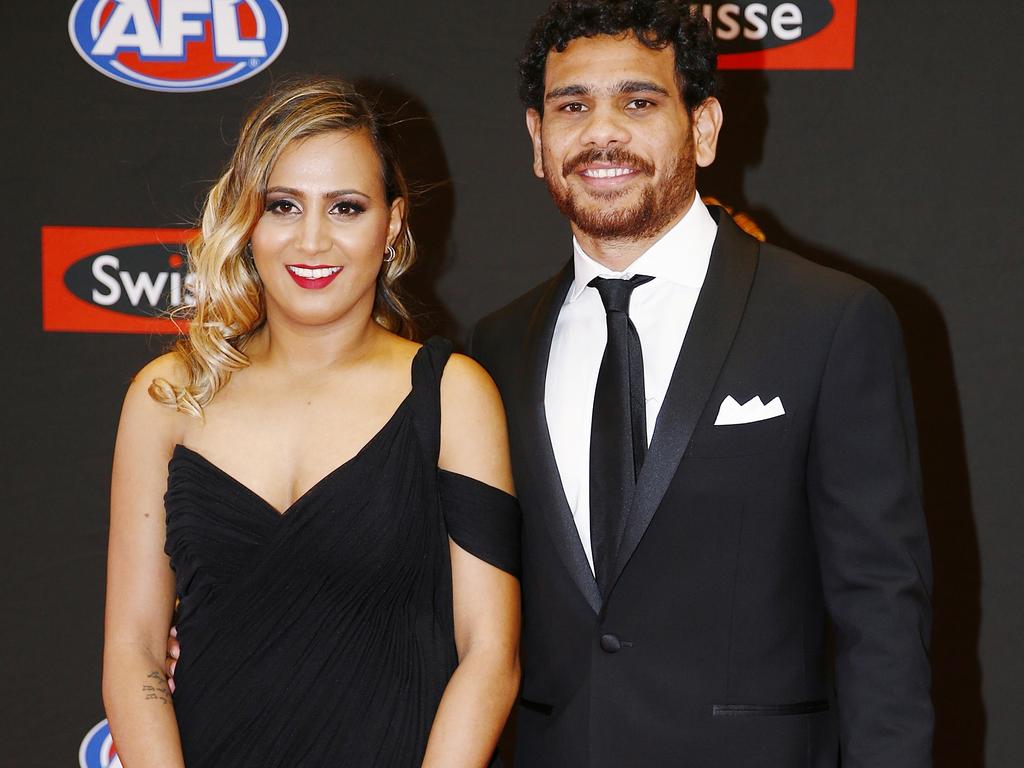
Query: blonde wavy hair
[{"x": 229, "y": 305}]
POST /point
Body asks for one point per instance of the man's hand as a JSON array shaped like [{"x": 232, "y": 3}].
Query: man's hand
[{"x": 173, "y": 651}]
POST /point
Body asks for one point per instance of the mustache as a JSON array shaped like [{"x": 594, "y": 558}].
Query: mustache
[{"x": 614, "y": 156}]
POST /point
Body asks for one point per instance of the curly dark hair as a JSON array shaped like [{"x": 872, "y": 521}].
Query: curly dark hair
[{"x": 656, "y": 24}]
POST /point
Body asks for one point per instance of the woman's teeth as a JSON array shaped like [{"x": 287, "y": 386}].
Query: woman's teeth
[{"x": 313, "y": 274}]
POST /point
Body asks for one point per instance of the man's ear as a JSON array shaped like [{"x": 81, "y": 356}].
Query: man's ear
[
  {"x": 533, "y": 121},
  {"x": 707, "y": 124}
]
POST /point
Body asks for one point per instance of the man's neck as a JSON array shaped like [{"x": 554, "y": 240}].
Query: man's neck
[{"x": 618, "y": 254}]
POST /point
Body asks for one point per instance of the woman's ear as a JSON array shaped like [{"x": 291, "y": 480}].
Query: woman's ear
[{"x": 395, "y": 223}]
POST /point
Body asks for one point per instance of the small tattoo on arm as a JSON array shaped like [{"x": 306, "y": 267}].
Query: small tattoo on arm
[{"x": 156, "y": 689}]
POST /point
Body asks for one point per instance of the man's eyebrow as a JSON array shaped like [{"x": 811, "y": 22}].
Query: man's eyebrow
[
  {"x": 641, "y": 86},
  {"x": 626, "y": 86},
  {"x": 567, "y": 90}
]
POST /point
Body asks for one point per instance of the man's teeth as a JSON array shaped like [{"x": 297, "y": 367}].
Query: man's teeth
[
  {"x": 606, "y": 173},
  {"x": 314, "y": 274}
]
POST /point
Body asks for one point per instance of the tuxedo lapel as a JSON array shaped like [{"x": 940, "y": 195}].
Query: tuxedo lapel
[
  {"x": 713, "y": 326},
  {"x": 549, "y": 495}
]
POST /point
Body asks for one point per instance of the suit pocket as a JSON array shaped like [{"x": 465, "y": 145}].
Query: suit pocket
[
  {"x": 725, "y": 440},
  {"x": 769, "y": 710}
]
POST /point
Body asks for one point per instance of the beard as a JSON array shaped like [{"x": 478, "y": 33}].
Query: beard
[{"x": 598, "y": 216}]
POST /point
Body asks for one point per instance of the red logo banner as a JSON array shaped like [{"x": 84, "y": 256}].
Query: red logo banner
[
  {"x": 807, "y": 34},
  {"x": 114, "y": 280}
]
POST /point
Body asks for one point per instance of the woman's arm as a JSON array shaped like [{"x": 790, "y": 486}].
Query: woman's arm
[
  {"x": 140, "y": 583},
  {"x": 480, "y": 694}
]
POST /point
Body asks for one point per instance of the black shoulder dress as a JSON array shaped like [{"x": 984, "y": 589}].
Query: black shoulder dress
[{"x": 323, "y": 636}]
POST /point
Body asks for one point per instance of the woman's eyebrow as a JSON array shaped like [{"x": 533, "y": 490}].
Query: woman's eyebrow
[{"x": 332, "y": 193}]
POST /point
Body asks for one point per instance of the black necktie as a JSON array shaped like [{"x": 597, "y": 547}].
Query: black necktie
[{"x": 618, "y": 436}]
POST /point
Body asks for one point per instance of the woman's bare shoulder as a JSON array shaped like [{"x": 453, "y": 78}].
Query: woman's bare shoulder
[
  {"x": 465, "y": 377},
  {"x": 143, "y": 411},
  {"x": 464, "y": 373},
  {"x": 474, "y": 440},
  {"x": 169, "y": 367}
]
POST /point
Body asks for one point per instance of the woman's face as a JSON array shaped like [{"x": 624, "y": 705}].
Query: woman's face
[{"x": 319, "y": 244}]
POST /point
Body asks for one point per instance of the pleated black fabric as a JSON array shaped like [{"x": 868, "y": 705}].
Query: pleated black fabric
[{"x": 324, "y": 636}]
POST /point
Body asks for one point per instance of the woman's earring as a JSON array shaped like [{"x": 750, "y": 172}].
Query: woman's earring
[{"x": 391, "y": 253}]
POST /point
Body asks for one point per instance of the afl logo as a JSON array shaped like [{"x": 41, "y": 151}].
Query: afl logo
[
  {"x": 97, "y": 750},
  {"x": 178, "y": 45}
]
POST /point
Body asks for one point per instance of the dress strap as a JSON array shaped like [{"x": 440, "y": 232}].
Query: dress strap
[
  {"x": 427, "y": 369},
  {"x": 483, "y": 520}
]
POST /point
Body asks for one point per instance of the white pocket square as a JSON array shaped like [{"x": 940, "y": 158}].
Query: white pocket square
[{"x": 753, "y": 410}]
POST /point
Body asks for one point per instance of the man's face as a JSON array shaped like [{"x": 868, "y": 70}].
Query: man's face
[{"x": 616, "y": 145}]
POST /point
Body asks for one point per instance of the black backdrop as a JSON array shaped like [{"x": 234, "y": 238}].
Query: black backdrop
[{"x": 902, "y": 171}]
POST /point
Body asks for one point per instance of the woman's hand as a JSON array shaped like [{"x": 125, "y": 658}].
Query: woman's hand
[{"x": 171, "y": 660}]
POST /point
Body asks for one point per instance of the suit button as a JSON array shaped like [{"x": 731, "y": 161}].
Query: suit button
[{"x": 610, "y": 643}]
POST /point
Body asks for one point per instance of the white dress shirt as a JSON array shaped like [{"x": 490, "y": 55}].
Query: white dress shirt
[{"x": 660, "y": 311}]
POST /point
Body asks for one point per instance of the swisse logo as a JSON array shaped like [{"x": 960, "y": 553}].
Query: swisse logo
[
  {"x": 114, "y": 280},
  {"x": 178, "y": 45},
  {"x": 138, "y": 280},
  {"x": 97, "y": 749},
  {"x": 756, "y": 26},
  {"x": 807, "y": 34}
]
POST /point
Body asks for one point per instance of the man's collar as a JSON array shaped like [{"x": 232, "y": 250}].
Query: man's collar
[{"x": 680, "y": 256}]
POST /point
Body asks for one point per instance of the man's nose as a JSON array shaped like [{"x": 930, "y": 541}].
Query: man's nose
[{"x": 605, "y": 127}]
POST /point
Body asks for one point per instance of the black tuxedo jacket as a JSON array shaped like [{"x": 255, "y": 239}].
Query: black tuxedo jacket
[{"x": 709, "y": 649}]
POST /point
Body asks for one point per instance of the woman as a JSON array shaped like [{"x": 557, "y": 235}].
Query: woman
[{"x": 339, "y": 531}]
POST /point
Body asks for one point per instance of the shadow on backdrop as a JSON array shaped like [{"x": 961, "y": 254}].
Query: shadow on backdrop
[
  {"x": 957, "y": 683},
  {"x": 422, "y": 157},
  {"x": 744, "y": 97}
]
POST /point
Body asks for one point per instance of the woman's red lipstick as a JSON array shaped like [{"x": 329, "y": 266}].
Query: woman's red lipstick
[{"x": 313, "y": 277}]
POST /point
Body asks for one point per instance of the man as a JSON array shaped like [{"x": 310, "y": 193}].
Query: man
[{"x": 711, "y": 462}]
